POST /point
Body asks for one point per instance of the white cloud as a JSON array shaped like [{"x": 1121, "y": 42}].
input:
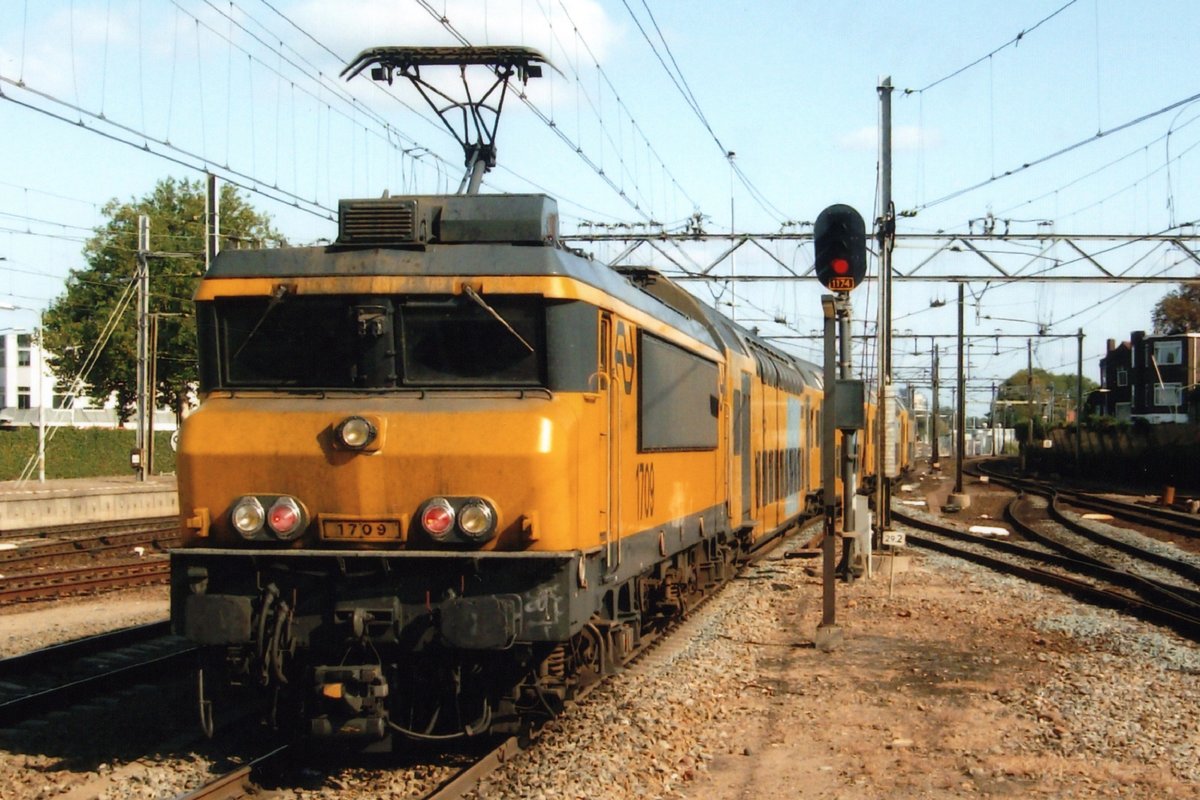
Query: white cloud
[{"x": 904, "y": 138}]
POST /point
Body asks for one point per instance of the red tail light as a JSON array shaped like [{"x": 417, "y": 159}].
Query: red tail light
[{"x": 438, "y": 517}]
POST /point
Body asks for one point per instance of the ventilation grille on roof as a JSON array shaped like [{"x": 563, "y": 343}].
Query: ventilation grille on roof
[{"x": 379, "y": 222}]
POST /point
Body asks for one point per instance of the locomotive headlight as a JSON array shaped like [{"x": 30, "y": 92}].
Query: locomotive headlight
[
  {"x": 355, "y": 433},
  {"x": 286, "y": 518},
  {"x": 476, "y": 519},
  {"x": 438, "y": 517},
  {"x": 248, "y": 516}
]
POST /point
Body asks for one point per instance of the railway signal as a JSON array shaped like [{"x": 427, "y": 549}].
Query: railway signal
[{"x": 840, "y": 241}]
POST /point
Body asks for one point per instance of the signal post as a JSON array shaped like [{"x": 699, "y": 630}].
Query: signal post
[{"x": 839, "y": 240}]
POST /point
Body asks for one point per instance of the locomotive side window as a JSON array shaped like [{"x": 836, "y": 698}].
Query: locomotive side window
[
  {"x": 460, "y": 342},
  {"x": 677, "y": 398}
]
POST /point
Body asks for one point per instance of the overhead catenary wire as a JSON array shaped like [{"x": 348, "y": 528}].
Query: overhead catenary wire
[
  {"x": 680, "y": 81},
  {"x": 199, "y": 163},
  {"x": 305, "y": 69},
  {"x": 1013, "y": 42},
  {"x": 1102, "y": 168},
  {"x": 1051, "y": 156}
]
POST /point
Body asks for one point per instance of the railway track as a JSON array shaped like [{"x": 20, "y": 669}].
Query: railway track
[
  {"x": 1159, "y": 517},
  {"x": 57, "y": 676},
  {"x": 1086, "y": 578},
  {"x": 1104, "y": 568},
  {"x": 91, "y": 529},
  {"x": 42, "y": 554},
  {"x": 44, "y": 562},
  {"x": 1151, "y": 516},
  {"x": 52, "y": 584}
]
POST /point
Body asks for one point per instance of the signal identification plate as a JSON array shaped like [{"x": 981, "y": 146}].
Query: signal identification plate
[
  {"x": 359, "y": 529},
  {"x": 841, "y": 284}
]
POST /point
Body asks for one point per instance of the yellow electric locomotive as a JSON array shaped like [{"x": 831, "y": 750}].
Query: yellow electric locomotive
[{"x": 444, "y": 464}]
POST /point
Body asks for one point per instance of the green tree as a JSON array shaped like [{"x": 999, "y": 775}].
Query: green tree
[
  {"x": 1053, "y": 397},
  {"x": 1178, "y": 311},
  {"x": 94, "y": 322}
]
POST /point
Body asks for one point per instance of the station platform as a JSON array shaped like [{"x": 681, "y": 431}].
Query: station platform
[{"x": 30, "y": 504}]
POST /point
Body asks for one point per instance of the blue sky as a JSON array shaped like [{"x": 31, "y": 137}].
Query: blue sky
[{"x": 249, "y": 88}]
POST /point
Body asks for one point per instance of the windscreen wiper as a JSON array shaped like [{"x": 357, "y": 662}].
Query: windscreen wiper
[
  {"x": 474, "y": 295},
  {"x": 281, "y": 291}
]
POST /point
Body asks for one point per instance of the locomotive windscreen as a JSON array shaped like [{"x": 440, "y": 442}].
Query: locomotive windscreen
[
  {"x": 375, "y": 342},
  {"x": 459, "y": 341}
]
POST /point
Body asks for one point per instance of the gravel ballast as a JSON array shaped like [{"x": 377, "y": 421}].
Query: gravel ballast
[{"x": 950, "y": 682}]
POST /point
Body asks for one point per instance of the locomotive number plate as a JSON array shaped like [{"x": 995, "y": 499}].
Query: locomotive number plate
[{"x": 375, "y": 530}]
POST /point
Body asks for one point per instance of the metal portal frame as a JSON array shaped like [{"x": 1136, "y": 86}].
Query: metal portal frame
[
  {"x": 473, "y": 121},
  {"x": 994, "y": 258}
]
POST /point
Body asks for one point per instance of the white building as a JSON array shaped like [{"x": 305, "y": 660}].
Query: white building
[
  {"x": 23, "y": 393},
  {"x": 23, "y": 390}
]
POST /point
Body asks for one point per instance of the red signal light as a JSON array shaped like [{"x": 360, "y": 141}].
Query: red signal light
[{"x": 839, "y": 248}]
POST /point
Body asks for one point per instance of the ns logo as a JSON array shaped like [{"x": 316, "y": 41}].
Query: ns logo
[{"x": 623, "y": 357}]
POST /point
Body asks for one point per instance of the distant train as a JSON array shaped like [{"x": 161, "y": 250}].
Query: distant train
[{"x": 445, "y": 465}]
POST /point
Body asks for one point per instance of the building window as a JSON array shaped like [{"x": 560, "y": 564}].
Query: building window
[
  {"x": 23, "y": 396},
  {"x": 1169, "y": 394},
  {"x": 1122, "y": 377},
  {"x": 24, "y": 344},
  {"x": 1168, "y": 352}
]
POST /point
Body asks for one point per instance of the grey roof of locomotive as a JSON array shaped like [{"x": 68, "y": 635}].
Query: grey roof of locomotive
[{"x": 478, "y": 248}]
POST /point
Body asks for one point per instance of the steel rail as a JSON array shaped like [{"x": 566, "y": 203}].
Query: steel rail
[
  {"x": 1161, "y": 518},
  {"x": 50, "y": 585},
  {"x": 1103, "y": 570},
  {"x": 1182, "y": 568},
  {"x": 47, "y": 552},
  {"x": 94, "y": 528},
  {"x": 56, "y": 654},
  {"x": 1054, "y": 496},
  {"x": 27, "y": 705},
  {"x": 1151, "y": 516},
  {"x": 237, "y": 783},
  {"x": 1182, "y": 622}
]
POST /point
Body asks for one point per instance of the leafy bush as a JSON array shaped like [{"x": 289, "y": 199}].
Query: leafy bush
[{"x": 79, "y": 452}]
